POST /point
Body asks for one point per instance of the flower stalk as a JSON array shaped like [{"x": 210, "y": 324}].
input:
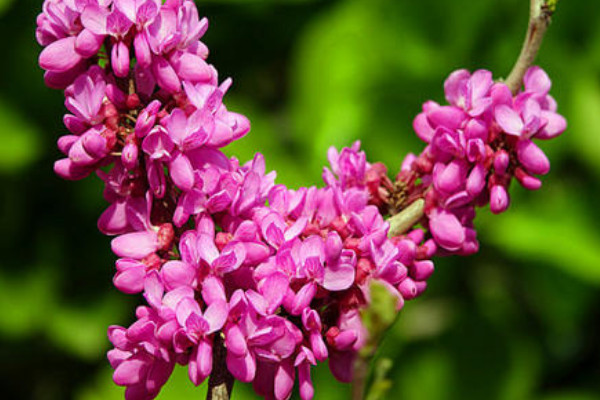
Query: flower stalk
[{"x": 540, "y": 15}]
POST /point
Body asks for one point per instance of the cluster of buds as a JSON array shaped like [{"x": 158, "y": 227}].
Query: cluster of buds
[
  {"x": 225, "y": 258},
  {"x": 476, "y": 145}
]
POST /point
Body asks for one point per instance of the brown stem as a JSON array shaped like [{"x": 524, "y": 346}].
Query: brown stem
[
  {"x": 220, "y": 383},
  {"x": 540, "y": 13},
  {"x": 359, "y": 379}
]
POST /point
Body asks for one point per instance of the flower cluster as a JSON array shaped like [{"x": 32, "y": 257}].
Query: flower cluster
[
  {"x": 475, "y": 146},
  {"x": 223, "y": 256},
  {"x": 280, "y": 286}
]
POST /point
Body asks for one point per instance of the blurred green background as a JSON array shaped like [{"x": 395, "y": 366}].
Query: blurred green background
[{"x": 519, "y": 320}]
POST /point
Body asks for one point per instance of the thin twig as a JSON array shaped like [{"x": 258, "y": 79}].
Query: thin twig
[
  {"x": 220, "y": 383},
  {"x": 540, "y": 14}
]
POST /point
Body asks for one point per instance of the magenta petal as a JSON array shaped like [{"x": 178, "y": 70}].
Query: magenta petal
[
  {"x": 60, "y": 56},
  {"x": 135, "y": 245},
  {"x": 273, "y": 288},
  {"x": 88, "y": 43},
  {"x": 94, "y": 144},
  {"x": 447, "y": 230},
  {"x": 185, "y": 308},
  {"x": 130, "y": 372},
  {"x": 143, "y": 55},
  {"x": 303, "y": 298},
  {"x": 113, "y": 220},
  {"x": 158, "y": 375},
  {"x": 318, "y": 346},
  {"x": 74, "y": 124},
  {"x": 192, "y": 68},
  {"x": 130, "y": 276},
  {"x": 201, "y": 364},
  {"x": 555, "y": 125},
  {"x": 216, "y": 315},
  {"x": 94, "y": 18},
  {"x": 454, "y": 84},
  {"x": 448, "y": 116},
  {"x": 481, "y": 81},
  {"x": 422, "y": 270},
  {"x": 450, "y": 178},
  {"x": 499, "y": 200},
  {"x": 476, "y": 180},
  {"x": 509, "y": 120},
  {"x": 458, "y": 199},
  {"x": 213, "y": 290},
  {"x": 165, "y": 75},
  {"x": 338, "y": 277},
  {"x": 66, "y": 169},
  {"x": 120, "y": 59},
  {"x": 284, "y": 380},
  {"x": 229, "y": 260},
  {"x": 128, "y": 8},
  {"x": 235, "y": 341},
  {"x": 79, "y": 156},
  {"x": 176, "y": 273},
  {"x": 306, "y": 389},
  {"x": 532, "y": 157},
  {"x": 242, "y": 368},
  {"x": 182, "y": 172},
  {"x": 536, "y": 80}
]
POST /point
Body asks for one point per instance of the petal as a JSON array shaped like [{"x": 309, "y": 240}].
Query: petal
[
  {"x": 303, "y": 298},
  {"x": 207, "y": 249},
  {"x": 242, "y": 368},
  {"x": 120, "y": 59},
  {"x": 130, "y": 371},
  {"x": 113, "y": 220},
  {"x": 88, "y": 43},
  {"x": 165, "y": 75},
  {"x": 536, "y": 80},
  {"x": 229, "y": 260},
  {"x": 555, "y": 125},
  {"x": 273, "y": 288},
  {"x": 509, "y": 120},
  {"x": 338, "y": 277},
  {"x": 499, "y": 200},
  {"x": 449, "y": 116},
  {"x": 532, "y": 157},
  {"x": 422, "y": 127},
  {"x": 177, "y": 273},
  {"x": 135, "y": 245},
  {"x": 191, "y": 68},
  {"x": 446, "y": 230},
  {"x": 60, "y": 56},
  {"x": 454, "y": 85},
  {"x": 182, "y": 172},
  {"x": 216, "y": 315},
  {"x": 213, "y": 290},
  {"x": 130, "y": 279},
  {"x": 94, "y": 18},
  {"x": 284, "y": 380},
  {"x": 201, "y": 364},
  {"x": 235, "y": 341}
]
